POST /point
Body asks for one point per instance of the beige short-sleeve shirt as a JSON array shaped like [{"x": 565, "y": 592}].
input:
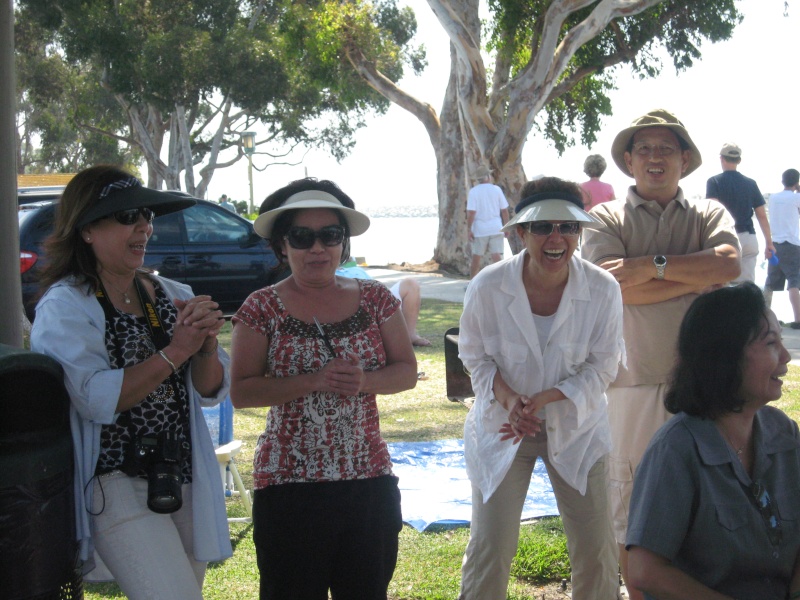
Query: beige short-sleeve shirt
[{"x": 636, "y": 227}]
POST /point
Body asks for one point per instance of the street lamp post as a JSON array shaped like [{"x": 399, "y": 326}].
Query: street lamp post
[{"x": 249, "y": 144}]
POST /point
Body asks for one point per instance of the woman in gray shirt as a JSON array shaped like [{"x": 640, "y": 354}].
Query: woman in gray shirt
[{"x": 714, "y": 512}]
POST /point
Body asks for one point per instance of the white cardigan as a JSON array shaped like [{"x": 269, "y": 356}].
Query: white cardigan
[
  {"x": 70, "y": 327},
  {"x": 581, "y": 358}
]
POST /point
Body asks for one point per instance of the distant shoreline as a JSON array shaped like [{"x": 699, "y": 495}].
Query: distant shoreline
[{"x": 401, "y": 211}]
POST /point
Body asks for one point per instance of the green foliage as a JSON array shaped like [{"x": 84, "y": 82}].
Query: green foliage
[
  {"x": 678, "y": 27},
  {"x": 54, "y": 99},
  {"x": 286, "y": 66}
]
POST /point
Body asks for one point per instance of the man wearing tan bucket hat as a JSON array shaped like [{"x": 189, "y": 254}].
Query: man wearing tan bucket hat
[{"x": 663, "y": 250}]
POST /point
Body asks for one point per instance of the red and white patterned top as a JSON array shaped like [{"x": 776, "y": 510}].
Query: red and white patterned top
[{"x": 322, "y": 436}]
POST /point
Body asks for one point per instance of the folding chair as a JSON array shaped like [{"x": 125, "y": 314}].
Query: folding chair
[{"x": 220, "y": 424}]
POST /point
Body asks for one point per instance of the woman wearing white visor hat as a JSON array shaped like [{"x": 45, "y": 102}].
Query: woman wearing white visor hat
[{"x": 541, "y": 334}]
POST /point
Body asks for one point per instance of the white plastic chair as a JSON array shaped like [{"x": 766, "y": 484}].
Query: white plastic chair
[
  {"x": 220, "y": 424},
  {"x": 232, "y": 483}
]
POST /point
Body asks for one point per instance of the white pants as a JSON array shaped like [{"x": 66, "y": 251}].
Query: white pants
[
  {"x": 149, "y": 554},
  {"x": 749, "y": 243},
  {"x": 494, "y": 532}
]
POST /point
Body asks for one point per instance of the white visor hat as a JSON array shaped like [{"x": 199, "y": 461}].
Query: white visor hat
[{"x": 551, "y": 208}]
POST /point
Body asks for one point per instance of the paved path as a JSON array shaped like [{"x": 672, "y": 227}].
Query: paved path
[{"x": 449, "y": 289}]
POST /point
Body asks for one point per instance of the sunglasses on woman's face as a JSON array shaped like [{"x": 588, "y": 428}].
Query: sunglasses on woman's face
[
  {"x": 302, "y": 238},
  {"x": 131, "y": 216},
  {"x": 546, "y": 227}
]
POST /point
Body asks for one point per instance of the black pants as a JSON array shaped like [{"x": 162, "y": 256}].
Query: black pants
[{"x": 339, "y": 536}]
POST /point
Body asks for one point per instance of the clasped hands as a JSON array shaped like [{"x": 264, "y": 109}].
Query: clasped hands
[
  {"x": 198, "y": 323},
  {"x": 343, "y": 376},
  {"x": 522, "y": 419}
]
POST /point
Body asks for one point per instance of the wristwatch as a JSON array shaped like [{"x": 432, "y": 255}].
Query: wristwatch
[{"x": 660, "y": 261}]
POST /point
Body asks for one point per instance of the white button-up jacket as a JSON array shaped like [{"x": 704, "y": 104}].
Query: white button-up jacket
[{"x": 581, "y": 358}]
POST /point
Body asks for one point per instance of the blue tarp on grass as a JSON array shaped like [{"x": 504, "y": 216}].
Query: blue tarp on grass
[{"x": 436, "y": 493}]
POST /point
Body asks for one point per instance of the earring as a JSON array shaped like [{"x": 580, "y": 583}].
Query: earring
[{"x": 88, "y": 240}]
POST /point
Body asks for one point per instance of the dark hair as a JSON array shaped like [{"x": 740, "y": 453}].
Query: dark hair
[
  {"x": 67, "y": 252},
  {"x": 572, "y": 191},
  {"x": 790, "y": 178},
  {"x": 284, "y": 222},
  {"x": 733, "y": 160},
  {"x": 711, "y": 344}
]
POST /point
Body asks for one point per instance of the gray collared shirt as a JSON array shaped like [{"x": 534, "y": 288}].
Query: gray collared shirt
[{"x": 693, "y": 503}]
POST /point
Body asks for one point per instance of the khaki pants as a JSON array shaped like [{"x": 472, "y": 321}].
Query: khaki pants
[
  {"x": 635, "y": 414},
  {"x": 749, "y": 243},
  {"x": 494, "y": 532}
]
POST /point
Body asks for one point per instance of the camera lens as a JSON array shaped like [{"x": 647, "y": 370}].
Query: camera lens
[{"x": 164, "y": 488}]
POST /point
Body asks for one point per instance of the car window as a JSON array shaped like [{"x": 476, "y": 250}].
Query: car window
[
  {"x": 208, "y": 224},
  {"x": 167, "y": 230}
]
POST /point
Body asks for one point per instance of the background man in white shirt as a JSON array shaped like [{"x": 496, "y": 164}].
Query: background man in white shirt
[
  {"x": 784, "y": 220},
  {"x": 487, "y": 212}
]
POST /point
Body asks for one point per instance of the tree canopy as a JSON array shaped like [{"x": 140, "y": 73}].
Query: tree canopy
[{"x": 188, "y": 77}]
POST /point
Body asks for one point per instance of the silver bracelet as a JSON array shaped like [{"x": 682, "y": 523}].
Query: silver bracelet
[
  {"x": 210, "y": 353},
  {"x": 171, "y": 364}
]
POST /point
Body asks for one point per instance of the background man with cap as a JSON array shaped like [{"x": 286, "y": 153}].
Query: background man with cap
[
  {"x": 741, "y": 196},
  {"x": 663, "y": 250},
  {"x": 487, "y": 212},
  {"x": 784, "y": 214}
]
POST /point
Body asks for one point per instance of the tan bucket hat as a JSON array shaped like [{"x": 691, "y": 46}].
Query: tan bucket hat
[{"x": 655, "y": 118}]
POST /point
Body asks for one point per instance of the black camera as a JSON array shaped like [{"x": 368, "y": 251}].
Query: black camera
[{"x": 159, "y": 457}]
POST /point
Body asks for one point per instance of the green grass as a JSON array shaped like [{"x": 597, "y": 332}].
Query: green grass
[{"x": 429, "y": 564}]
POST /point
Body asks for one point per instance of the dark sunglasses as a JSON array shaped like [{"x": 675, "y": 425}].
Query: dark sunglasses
[
  {"x": 131, "y": 216},
  {"x": 546, "y": 227},
  {"x": 768, "y": 513},
  {"x": 302, "y": 238}
]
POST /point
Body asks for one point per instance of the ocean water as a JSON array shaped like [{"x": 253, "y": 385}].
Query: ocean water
[{"x": 396, "y": 240}]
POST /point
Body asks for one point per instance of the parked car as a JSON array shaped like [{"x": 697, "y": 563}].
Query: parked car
[
  {"x": 28, "y": 195},
  {"x": 207, "y": 247}
]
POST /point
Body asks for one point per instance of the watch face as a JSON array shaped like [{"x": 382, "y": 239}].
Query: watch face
[{"x": 660, "y": 261}]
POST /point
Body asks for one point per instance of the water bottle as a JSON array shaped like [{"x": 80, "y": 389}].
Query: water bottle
[{"x": 773, "y": 260}]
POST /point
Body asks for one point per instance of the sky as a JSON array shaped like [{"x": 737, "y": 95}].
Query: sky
[{"x": 743, "y": 90}]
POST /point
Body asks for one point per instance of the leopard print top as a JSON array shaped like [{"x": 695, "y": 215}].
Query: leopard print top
[{"x": 164, "y": 409}]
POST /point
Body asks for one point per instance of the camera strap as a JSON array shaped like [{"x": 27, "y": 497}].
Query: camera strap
[{"x": 154, "y": 323}]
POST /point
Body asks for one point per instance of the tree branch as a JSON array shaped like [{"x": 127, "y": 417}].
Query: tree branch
[{"x": 387, "y": 88}]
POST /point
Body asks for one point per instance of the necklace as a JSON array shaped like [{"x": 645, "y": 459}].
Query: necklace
[
  {"x": 738, "y": 450},
  {"x": 125, "y": 298}
]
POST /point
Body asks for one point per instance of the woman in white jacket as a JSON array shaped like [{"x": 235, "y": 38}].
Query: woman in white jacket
[{"x": 541, "y": 334}]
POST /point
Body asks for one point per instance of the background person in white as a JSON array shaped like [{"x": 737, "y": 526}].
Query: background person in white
[
  {"x": 784, "y": 212},
  {"x": 487, "y": 212}
]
